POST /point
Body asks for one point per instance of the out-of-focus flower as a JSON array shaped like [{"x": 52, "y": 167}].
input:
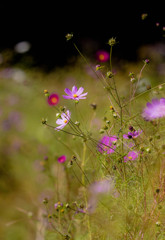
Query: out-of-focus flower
[
  {"x": 62, "y": 159},
  {"x": 58, "y": 205},
  {"x": 133, "y": 134},
  {"x": 154, "y": 110},
  {"x": 63, "y": 121},
  {"x": 101, "y": 187},
  {"x": 107, "y": 144},
  {"x": 53, "y": 99},
  {"x": 22, "y": 47},
  {"x": 98, "y": 189},
  {"x": 131, "y": 156},
  {"x": 75, "y": 94},
  {"x": 102, "y": 56},
  {"x": 143, "y": 85}
]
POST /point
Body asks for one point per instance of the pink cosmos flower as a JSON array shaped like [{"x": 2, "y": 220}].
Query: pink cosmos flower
[
  {"x": 133, "y": 134},
  {"x": 107, "y": 144},
  {"x": 53, "y": 99},
  {"x": 62, "y": 159},
  {"x": 65, "y": 117},
  {"x": 102, "y": 56},
  {"x": 131, "y": 156},
  {"x": 75, "y": 94},
  {"x": 154, "y": 110}
]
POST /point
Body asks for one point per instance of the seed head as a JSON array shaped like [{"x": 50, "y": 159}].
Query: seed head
[
  {"x": 69, "y": 36},
  {"x": 112, "y": 41}
]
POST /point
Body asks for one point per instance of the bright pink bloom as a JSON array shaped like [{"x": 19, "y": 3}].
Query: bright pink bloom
[
  {"x": 53, "y": 99},
  {"x": 75, "y": 94},
  {"x": 154, "y": 110},
  {"x": 65, "y": 117},
  {"x": 62, "y": 159},
  {"x": 107, "y": 144},
  {"x": 102, "y": 56},
  {"x": 131, "y": 156}
]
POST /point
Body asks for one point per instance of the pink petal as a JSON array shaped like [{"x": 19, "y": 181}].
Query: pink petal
[
  {"x": 59, "y": 121},
  {"x": 74, "y": 89},
  {"x": 81, "y": 89},
  {"x": 67, "y": 97},
  {"x": 60, "y": 127},
  {"x": 82, "y": 95},
  {"x": 68, "y": 91}
]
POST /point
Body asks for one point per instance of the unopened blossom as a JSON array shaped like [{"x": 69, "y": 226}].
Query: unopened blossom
[
  {"x": 133, "y": 134},
  {"x": 75, "y": 93},
  {"x": 154, "y": 110},
  {"x": 63, "y": 121},
  {"x": 107, "y": 144},
  {"x": 132, "y": 155}
]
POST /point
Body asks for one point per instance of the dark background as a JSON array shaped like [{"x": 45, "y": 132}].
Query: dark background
[{"x": 45, "y": 25}]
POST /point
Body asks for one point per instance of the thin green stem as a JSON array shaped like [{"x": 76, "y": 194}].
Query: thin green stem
[
  {"x": 110, "y": 59},
  {"x": 83, "y": 182}
]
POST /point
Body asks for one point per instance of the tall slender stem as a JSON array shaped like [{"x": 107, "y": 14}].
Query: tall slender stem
[{"x": 83, "y": 182}]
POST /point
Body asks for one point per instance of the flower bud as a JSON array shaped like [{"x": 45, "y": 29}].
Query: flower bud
[
  {"x": 148, "y": 150},
  {"x": 112, "y": 41},
  {"x": 105, "y": 127},
  {"x": 101, "y": 131},
  {"x": 110, "y": 74},
  {"x": 58, "y": 115},
  {"x": 93, "y": 105},
  {"x": 114, "y": 115},
  {"x": 69, "y": 36},
  {"x": 45, "y": 201},
  {"x": 133, "y": 80},
  {"x": 158, "y": 223},
  {"x": 99, "y": 67},
  {"x": 44, "y": 121},
  {"x": 146, "y": 61},
  {"x": 77, "y": 123}
]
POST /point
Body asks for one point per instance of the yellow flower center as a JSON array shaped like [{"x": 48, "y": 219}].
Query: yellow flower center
[
  {"x": 101, "y": 56},
  {"x": 75, "y": 95},
  {"x": 54, "y": 100},
  {"x": 130, "y": 157},
  {"x": 65, "y": 121}
]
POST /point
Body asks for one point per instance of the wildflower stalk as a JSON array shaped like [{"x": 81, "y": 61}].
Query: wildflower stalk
[
  {"x": 110, "y": 59},
  {"x": 140, "y": 74},
  {"x": 84, "y": 58},
  {"x": 83, "y": 182}
]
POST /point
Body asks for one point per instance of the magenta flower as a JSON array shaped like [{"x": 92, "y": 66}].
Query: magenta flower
[
  {"x": 53, "y": 99},
  {"x": 107, "y": 144},
  {"x": 131, "y": 156},
  {"x": 154, "y": 110},
  {"x": 65, "y": 117},
  {"x": 62, "y": 159},
  {"x": 102, "y": 56},
  {"x": 75, "y": 94},
  {"x": 133, "y": 134}
]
